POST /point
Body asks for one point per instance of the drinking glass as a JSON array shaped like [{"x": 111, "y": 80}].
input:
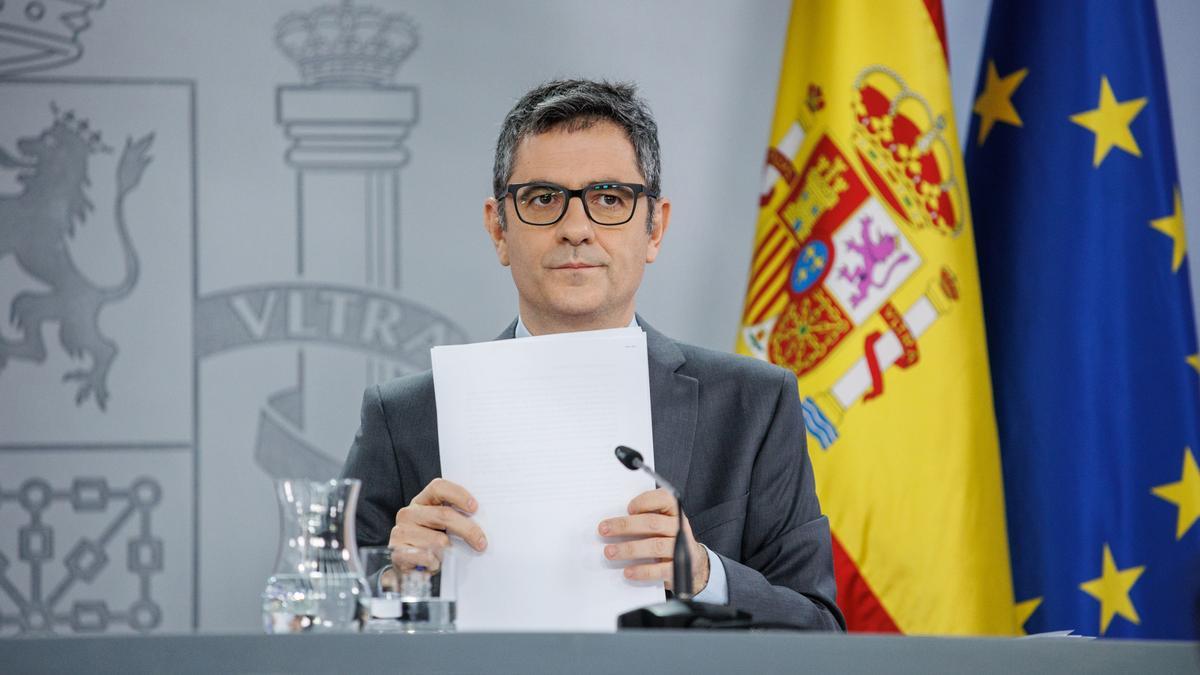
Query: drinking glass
[{"x": 412, "y": 589}]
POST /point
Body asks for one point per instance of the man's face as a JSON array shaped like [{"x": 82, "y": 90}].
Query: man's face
[{"x": 575, "y": 274}]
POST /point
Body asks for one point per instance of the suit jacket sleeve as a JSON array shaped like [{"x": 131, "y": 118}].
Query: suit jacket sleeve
[
  {"x": 786, "y": 572},
  {"x": 373, "y": 461}
]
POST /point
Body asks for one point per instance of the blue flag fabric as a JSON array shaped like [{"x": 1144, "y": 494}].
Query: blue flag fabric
[{"x": 1092, "y": 341}]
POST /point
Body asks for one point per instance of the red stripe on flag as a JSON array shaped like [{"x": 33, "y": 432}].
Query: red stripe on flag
[
  {"x": 859, "y": 604},
  {"x": 938, "y": 19},
  {"x": 761, "y": 314},
  {"x": 763, "y": 258},
  {"x": 770, "y": 280}
]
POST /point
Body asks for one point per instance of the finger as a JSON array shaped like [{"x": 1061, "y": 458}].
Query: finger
[
  {"x": 653, "y": 501},
  {"x": 441, "y": 491},
  {"x": 448, "y": 519},
  {"x": 438, "y": 519},
  {"x": 649, "y": 572},
  {"x": 642, "y": 524},
  {"x": 662, "y": 548},
  {"x": 410, "y": 534}
]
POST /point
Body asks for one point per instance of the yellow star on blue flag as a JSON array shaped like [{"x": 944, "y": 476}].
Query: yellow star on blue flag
[
  {"x": 995, "y": 103},
  {"x": 1184, "y": 494},
  {"x": 1112, "y": 588},
  {"x": 1172, "y": 226},
  {"x": 1110, "y": 122}
]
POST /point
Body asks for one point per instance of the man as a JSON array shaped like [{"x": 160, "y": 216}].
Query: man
[{"x": 576, "y": 215}]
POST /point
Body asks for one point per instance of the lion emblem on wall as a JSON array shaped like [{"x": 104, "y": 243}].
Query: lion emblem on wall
[{"x": 35, "y": 226}]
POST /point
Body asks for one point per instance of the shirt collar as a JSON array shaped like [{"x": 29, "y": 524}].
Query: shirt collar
[{"x": 523, "y": 332}]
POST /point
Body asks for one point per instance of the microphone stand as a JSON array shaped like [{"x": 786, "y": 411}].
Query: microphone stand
[{"x": 681, "y": 611}]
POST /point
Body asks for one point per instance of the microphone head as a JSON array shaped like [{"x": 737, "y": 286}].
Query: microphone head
[{"x": 632, "y": 459}]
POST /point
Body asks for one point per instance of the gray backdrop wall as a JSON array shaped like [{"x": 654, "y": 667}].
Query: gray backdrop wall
[{"x": 296, "y": 243}]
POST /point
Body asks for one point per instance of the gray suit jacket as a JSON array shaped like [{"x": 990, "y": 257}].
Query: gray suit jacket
[{"x": 727, "y": 428}]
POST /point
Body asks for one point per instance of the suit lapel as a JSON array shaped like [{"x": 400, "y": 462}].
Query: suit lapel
[
  {"x": 674, "y": 398},
  {"x": 508, "y": 333}
]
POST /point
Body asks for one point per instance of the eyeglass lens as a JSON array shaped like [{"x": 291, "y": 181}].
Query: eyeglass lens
[{"x": 605, "y": 203}]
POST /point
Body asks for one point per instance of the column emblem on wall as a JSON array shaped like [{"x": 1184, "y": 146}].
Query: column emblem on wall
[{"x": 346, "y": 122}]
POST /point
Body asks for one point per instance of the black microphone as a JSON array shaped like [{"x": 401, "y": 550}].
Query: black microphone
[
  {"x": 632, "y": 459},
  {"x": 681, "y": 611},
  {"x": 681, "y": 573}
]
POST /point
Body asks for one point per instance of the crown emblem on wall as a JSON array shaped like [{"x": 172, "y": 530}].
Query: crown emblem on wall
[
  {"x": 67, "y": 124},
  {"x": 42, "y": 34},
  {"x": 905, "y": 153},
  {"x": 347, "y": 44}
]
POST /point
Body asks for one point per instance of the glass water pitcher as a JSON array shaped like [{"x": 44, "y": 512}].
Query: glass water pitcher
[{"x": 318, "y": 584}]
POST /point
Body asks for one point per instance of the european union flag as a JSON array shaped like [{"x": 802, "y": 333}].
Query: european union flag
[{"x": 1090, "y": 329}]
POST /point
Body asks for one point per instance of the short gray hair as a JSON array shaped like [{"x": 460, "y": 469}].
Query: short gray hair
[{"x": 576, "y": 105}]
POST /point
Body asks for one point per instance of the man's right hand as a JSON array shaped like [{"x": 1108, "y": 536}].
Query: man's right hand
[{"x": 441, "y": 509}]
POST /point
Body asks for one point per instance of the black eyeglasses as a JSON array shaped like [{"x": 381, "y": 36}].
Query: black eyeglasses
[{"x": 604, "y": 203}]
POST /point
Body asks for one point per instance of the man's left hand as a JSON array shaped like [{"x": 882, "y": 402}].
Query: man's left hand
[{"x": 653, "y": 521}]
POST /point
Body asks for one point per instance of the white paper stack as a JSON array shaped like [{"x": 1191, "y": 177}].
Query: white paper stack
[{"x": 528, "y": 426}]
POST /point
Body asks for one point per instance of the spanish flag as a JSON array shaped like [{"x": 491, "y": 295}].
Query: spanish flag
[{"x": 864, "y": 282}]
